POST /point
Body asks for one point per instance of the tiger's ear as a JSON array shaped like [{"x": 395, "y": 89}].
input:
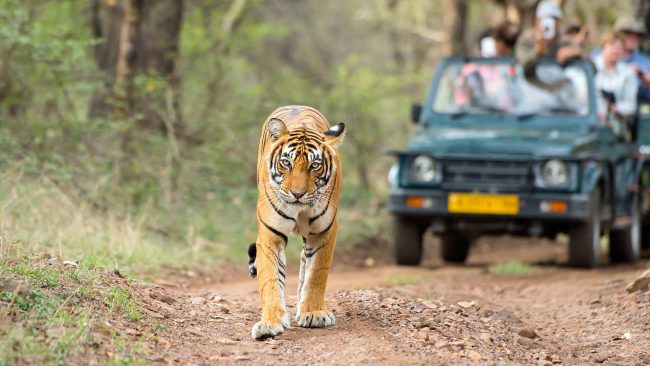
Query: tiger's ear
[
  {"x": 277, "y": 128},
  {"x": 334, "y": 135}
]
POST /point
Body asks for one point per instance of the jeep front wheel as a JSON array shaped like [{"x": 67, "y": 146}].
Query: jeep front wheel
[
  {"x": 407, "y": 239},
  {"x": 454, "y": 248},
  {"x": 584, "y": 237}
]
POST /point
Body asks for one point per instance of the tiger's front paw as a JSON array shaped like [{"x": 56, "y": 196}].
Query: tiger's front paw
[
  {"x": 262, "y": 330},
  {"x": 265, "y": 329},
  {"x": 316, "y": 319}
]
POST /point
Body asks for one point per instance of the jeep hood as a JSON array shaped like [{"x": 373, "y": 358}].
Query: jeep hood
[{"x": 523, "y": 142}]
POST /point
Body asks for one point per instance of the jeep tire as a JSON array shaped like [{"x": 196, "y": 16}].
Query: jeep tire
[
  {"x": 584, "y": 237},
  {"x": 645, "y": 240},
  {"x": 454, "y": 248},
  {"x": 407, "y": 240},
  {"x": 625, "y": 243}
]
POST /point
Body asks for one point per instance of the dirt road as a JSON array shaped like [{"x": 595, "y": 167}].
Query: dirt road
[{"x": 429, "y": 315}]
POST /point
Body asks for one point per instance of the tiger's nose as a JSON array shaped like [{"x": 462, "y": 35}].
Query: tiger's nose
[{"x": 298, "y": 194}]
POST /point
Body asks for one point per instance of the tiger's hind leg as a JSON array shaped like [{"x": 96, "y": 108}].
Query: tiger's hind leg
[
  {"x": 316, "y": 260},
  {"x": 271, "y": 279}
]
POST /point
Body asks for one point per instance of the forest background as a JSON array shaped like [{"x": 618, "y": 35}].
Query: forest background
[{"x": 129, "y": 129}]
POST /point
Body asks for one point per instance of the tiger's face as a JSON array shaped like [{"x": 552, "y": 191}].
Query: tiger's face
[{"x": 300, "y": 164}]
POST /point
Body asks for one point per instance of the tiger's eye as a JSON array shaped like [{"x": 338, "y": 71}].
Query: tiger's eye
[
  {"x": 285, "y": 163},
  {"x": 314, "y": 166}
]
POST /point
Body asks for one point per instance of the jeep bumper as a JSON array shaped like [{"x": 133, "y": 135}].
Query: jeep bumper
[{"x": 432, "y": 204}]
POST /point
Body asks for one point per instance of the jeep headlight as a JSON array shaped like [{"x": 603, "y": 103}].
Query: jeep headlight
[
  {"x": 555, "y": 173},
  {"x": 393, "y": 175},
  {"x": 425, "y": 169}
]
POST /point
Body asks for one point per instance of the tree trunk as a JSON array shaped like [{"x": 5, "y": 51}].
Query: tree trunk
[
  {"x": 456, "y": 26},
  {"x": 138, "y": 37},
  {"x": 123, "y": 87},
  {"x": 526, "y": 10}
]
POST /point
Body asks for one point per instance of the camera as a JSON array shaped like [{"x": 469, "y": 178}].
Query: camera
[
  {"x": 548, "y": 28},
  {"x": 609, "y": 97}
]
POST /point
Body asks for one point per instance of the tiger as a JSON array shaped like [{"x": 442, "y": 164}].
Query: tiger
[{"x": 299, "y": 179}]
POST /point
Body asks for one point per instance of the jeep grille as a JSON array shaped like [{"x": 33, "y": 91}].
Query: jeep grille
[{"x": 487, "y": 175}]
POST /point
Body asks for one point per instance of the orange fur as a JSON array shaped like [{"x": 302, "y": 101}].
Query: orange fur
[{"x": 299, "y": 177}]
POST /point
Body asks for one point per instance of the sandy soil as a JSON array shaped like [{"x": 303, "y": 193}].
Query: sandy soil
[{"x": 433, "y": 314}]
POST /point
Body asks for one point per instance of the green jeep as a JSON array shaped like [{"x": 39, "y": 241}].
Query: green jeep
[{"x": 495, "y": 154}]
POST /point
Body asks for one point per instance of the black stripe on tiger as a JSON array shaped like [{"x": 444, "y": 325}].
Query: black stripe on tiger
[
  {"x": 309, "y": 252},
  {"x": 274, "y": 231},
  {"x": 275, "y": 208},
  {"x": 327, "y": 228},
  {"x": 327, "y": 206}
]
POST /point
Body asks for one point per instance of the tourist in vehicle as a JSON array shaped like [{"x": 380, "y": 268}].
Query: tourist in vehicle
[
  {"x": 545, "y": 40},
  {"x": 632, "y": 31},
  {"x": 578, "y": 34},
  {"x": 617, "y": 86},
  {"x": 498, "y": 41},
  {"x": 505, "y": 36},
  {"x": 477, "y": 84}
]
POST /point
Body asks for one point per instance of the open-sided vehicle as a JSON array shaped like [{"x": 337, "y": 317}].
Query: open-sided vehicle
[{"x": 495, "y": 154}]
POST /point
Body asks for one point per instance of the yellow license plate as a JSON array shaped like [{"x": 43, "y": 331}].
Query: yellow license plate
[{"x": 479, "y": 203}]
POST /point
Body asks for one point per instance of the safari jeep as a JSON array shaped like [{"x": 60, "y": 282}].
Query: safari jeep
[{"x": 495, "y": 154}]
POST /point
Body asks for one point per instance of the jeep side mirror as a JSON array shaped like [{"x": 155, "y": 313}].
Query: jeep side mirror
[{"x": 416, "y": 110}]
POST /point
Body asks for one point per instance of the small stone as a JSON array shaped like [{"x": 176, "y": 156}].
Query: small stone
[
  {"x": 153, "y": 314},
  {"x": 527, "y": 343},
  {"x": 641, "y": 283},
  {"x": 225, "y": 341},
  {"x": 162, "y": 297},
  {"x": 441, "y": 343},
  {"x": 505, "y": 315},
  {"x": 527, "y": 332},
  {"x": 198, "y": 300},
  {"x": 217, "y": 298},
  {"x": 473, "y": 355},
  {"x": 466, "y": 304},
  {"x": 51, "y": 261},
  {"x": 71, "y": 264},
  {"x": 14, "y": 285},
  {"x": 195, "y": 331},
  {"x": 429, "y": 304},
  {"x": 224, "y": 309},
  {"x": 133, "y": 332},
  {"x": 423, "y": 334}
]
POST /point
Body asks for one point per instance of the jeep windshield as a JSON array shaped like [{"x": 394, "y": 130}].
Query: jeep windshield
[{"x": 498, "y": 86}]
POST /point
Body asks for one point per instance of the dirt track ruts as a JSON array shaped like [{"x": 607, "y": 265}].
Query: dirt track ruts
[{"x": 436, "y": 315}]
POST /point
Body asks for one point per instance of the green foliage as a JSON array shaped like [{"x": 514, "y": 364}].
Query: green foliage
[
  {"x": 512, "y": 268},
  {"x": 120, "y": 300},
  {"x": 123, "y": 191},
  {"x": 402, "y": 280},
  {"x": 152, "y": 200},
  {"x": 55, "y": 315}
]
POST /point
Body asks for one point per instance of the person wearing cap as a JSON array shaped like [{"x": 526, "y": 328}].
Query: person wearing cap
[
  {"x": 545, "y": 40},
  {"x": 632, "y": 31},
  {"x": 617, "y": 86}
]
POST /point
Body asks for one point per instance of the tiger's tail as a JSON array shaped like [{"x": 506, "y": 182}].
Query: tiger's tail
[{"x": 252, "y": 254}]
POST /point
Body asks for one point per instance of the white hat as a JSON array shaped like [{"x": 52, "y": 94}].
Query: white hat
[{"x": 548, "y": 9}]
